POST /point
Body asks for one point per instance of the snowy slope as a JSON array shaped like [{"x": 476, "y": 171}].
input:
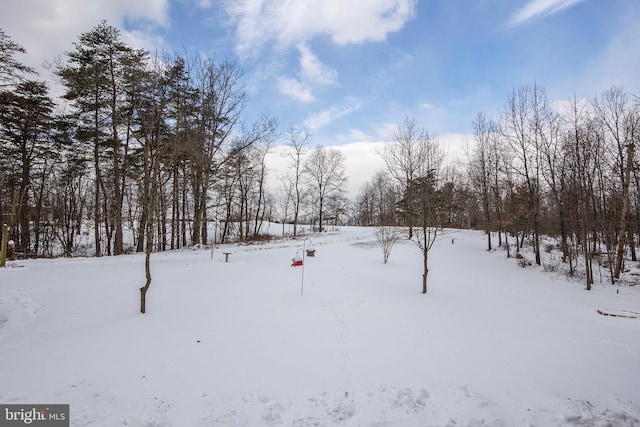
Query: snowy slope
[{"x": 235, "y": 344}]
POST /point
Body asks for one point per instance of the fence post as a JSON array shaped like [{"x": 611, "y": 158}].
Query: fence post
[{"x": 3, "y": 245}]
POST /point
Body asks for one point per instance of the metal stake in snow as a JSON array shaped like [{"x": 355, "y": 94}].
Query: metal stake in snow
[{"x": 304, "y": 251}]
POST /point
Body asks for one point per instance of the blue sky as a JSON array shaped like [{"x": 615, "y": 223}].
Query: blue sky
[
  {"x": 352, "y": 70},
  {"x": 351, "y": 73}
]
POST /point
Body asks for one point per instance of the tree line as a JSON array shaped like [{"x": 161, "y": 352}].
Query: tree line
[
  {"x": 156, "y": 148},
  {"x": 537, "y": 170},
  {"x": 151, "y": 147}
]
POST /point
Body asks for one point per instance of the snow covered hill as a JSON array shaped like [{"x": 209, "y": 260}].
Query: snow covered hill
[{"x": 236, "y": 344}]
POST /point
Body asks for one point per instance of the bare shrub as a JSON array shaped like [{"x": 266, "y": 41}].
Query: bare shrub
[
  {"x": 387, "y": 237},
  {"x": 551, "y": 266},
  {"x": 259, "y": 239},
  {"x": 522, "y": 261}
]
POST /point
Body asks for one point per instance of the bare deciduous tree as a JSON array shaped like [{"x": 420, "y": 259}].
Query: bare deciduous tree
[
  {"x": 525, "y": 123},
  {"x": 622, "y": 124},
  {"x": 387, "y": 237},
  {"x": 481, "y": 167},
  {"x": 580, "y": 153},
  {"x": 415, "y": 160},
  {"x": 423, "y": 200},
  {"x": 297, "y": 139},
  {"x": 325, "y": 174},
  {"x": 221, "y": 100},
  {"x": 407, "y": 157},
  {"x": 284, "y": 199}
]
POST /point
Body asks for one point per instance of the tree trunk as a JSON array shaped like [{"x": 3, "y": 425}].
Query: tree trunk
[
  {"x": 296, "y": 206},
  {"x": 3, "y": 245},
  {"x": 150, "y": 188},
  {"x": 320, "y": 216},
  {"x": 536, "y": 242},
  {"x": 96, "y": 199},
  {"x": 425, "y": 258},
  {"x": 145, "y": 288},
  {"x": 204, "y": 224},
  {"x": 260, "y": 210},
  {"x": 108, "y": 230},
  {"x": 175, "y": 211},
  {"x": 195, "y": 230},
  {"x": 624, "y": 213},
  {"x": 183, "y": 225},
  {"x": 637, "y": 214},
  {"x": 162, "y": 217},
  {"x": 563, "y": 234},
  {"x": 141, "y": 227},
  {"x": 118, "y": 246}
]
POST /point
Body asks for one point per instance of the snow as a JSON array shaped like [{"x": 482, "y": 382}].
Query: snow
[{"x": 236, "y": 344}]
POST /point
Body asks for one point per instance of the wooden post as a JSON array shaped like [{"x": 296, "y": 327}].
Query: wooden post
[{"x": 3, "y": 245}]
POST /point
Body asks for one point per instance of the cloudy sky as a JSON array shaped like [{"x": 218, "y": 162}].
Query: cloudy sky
[{"x": 352, "y": 70}]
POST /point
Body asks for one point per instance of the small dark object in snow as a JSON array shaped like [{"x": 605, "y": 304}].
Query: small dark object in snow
[{"x": 627, "y": 314}]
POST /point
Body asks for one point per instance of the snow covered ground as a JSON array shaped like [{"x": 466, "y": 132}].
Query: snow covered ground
[{"x": 235, "y": 344}]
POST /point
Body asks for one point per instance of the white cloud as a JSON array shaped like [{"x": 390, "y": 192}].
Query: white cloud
[
  {"x": 288, "y": 22},
  {"x": 325, "y": 117},
  {"x": 295, "y": 89},
  {"x": 204, "y": 4},
  {"x": 143, "y": 39},
  {"x": 392, "y": 65},
  {"x": 264, "y": 74},
  {"x": 453, "y": 145},
  {"x": 314, "y": 71},
  {"x": 385, "y": 131},
  {"x": 361, "y": 162},
  {"x": 539, "y": 8},
  {"x": 565, "y": 106},
  {"x": 48, "y": 28},
  {"x": 362, "y": 159},
  {"x": 425, "y": 106},
  {"x": 354, "y": 135}
]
